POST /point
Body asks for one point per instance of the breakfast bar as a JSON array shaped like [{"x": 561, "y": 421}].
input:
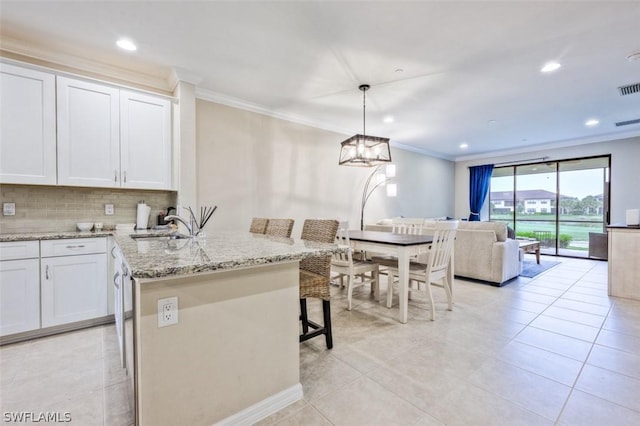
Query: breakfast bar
[{"x": 233, "y": 355}]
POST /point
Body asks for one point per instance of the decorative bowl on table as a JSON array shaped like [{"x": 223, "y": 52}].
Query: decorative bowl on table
[{"x": 84, "y": 226}]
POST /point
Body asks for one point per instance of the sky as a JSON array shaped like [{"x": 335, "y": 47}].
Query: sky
[{"x": 576, "y": 183}]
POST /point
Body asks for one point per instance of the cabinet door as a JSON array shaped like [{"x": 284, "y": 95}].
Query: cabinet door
[
  {"x": 28, "y": 130},
  {"x": 88, "y": 134},
  {"x": 73, "y": 288},
  {"x": 145, "y": 141},
  {"x": 19, "y": 296}
]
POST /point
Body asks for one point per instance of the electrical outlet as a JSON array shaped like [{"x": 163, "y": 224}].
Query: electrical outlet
[
  {"x": 167, "y": 311},
  {"x": 108, "y": 209},
  {"x": 9, "y": 209}
]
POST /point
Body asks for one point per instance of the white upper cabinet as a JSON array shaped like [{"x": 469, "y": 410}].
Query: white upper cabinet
[
  {"x": 28, "y": 130},
  {"x": 105, "y": 136},
  {"x": 88, "y": 134},
  {"x": 145, "y": 141},
  {"x": 109, "y": 137}
]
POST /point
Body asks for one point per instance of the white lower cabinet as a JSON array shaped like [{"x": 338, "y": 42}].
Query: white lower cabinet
[
  {"x": 73, "y": 284},
  {"x": 19, "y": 296}
]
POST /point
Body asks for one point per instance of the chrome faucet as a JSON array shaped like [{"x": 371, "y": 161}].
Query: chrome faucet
[{"x": 191, "y": 227}]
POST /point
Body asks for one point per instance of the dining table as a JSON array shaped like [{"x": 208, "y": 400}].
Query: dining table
[{"x": 403, "y": 246}]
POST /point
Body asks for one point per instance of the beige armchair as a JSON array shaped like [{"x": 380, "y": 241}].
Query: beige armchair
[{"x": 483, "y": 252}]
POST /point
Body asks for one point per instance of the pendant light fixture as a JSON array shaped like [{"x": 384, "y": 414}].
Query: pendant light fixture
[{"x": 363, "y": 150}]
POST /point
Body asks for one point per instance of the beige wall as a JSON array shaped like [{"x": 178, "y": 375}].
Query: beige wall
[
  {"x": 625, "y": 175},
  {"x": 59, "y": 208},
  {"x": 235, "y": 344},
  {"x": 255, "y": 165}
]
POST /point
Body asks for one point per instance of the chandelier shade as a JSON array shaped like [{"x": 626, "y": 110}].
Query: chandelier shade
[{"x": 364, "y": 150}]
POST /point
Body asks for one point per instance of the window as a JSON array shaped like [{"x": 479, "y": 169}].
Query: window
[{"x": 557, "y": 202}]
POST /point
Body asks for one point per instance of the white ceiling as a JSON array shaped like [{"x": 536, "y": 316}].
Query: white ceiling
[{"x": 464, "y": 63}]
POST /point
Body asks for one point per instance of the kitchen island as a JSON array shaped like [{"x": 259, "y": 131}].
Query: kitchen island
[
  {"x": 624, "y": 252},
  {"x": 233, "y": 356}
]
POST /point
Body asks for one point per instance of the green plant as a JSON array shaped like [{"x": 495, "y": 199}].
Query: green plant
[
  {"x": 565, "y": 240},
  {"x": 525, "y": 234}
]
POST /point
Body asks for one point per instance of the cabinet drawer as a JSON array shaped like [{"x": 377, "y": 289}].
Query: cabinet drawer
[
  {"x": 71, "y": 247},
  {"x": 12, "y": 250}
]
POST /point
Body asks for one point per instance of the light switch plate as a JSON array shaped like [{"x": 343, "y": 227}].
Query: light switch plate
[
  {"x": 9, "y": 209},
  {"x": 108, "y": 209}
]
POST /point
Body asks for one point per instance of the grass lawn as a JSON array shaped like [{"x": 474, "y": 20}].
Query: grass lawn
[{"x": 573, "y": 227}]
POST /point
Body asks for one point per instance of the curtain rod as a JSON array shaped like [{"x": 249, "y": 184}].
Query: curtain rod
[{"x": 517, "y": 162}]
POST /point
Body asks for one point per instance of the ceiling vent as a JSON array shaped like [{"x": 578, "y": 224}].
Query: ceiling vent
[
  {"x": 628, "y": 122},
  {"x": 629, "y": 89}
]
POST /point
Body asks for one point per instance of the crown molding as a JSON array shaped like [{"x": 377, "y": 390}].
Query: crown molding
[
  {"x": 52, "y": 57},
  {"x": 219, "y": 98},
  {"x": 211, "y": 96},
  {"x": 420, "y": 151},
  {"x": 606, "y": 137},
  {"x": 181, "y": 74}
]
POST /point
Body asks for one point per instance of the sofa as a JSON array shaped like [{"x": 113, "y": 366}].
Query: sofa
[{"x": 482, "y": 250}]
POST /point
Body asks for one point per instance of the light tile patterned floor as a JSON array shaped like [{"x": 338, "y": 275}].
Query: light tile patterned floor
[
  {"x": 76, "y": 373},
  {"x": 549, "y": 350},
  {"x": 554, "y": 349}
]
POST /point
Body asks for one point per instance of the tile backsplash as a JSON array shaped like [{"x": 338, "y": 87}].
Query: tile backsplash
[{"x": 59, "y": 208}]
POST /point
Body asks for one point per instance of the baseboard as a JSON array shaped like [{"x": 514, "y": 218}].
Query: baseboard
[
  {"x": 49, "y": 331},
  {"x": 264, "y": 408}
]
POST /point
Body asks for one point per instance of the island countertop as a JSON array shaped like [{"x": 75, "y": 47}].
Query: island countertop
[
  {"x": 150, "y": 258},
  {"x": 158, "y": 256}
]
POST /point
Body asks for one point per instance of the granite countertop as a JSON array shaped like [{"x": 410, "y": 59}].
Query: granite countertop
[
  {"x": 30, "y": 236},
  {"x": 150, "y": 258},
  {"x": 159, "y": 256},
  {"x": 623, "y": 226}
]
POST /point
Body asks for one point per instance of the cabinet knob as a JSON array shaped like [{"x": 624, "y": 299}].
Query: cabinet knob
[{"x": 76, "y": 246}]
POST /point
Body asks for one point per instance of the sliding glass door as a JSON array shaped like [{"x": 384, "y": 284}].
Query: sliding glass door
[
  {"x": 562, "y": 204},
  {"x": 584, "y": 200},
  {"x": 536, "y": 196}
]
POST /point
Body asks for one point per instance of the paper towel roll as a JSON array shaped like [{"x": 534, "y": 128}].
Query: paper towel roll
[
  {"x": 633, "y": 217},
  {"x": 143, "y": 216}
]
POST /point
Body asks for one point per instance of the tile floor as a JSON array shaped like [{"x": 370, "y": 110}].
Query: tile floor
[
  {"x": 549, "y": 350},
  {"x": 76, "y": 373},
  {"x": 554, "y": 349}
]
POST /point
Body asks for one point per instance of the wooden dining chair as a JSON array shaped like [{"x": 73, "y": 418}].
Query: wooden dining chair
[
  {"x": 279, "y": 227},
  {"x": 435, "y": 269},
  {"x": 258, "y": 225},
  {"x": 356, "y": 272},
  {"x": 315, "y": 273},
  {"x": 400, "y": 225},
  {"x": 407, "y": 225}
]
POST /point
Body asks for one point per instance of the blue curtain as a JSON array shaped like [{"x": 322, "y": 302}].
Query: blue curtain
[{"x": 479, "y": 177}]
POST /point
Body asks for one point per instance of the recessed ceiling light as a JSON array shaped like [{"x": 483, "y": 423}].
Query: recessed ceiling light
[
  {"x": 388, "y": 119},
  {"x": 492, "y": 121},
  {"x": 550, "y": 67},
  {"x": 464, "y": 146},
  {"x": 524, "y": 140},
  {"x": 399, "y": 70},
  {"x": 592, "y": 122},
  {"x": 126, "y": 44}
]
